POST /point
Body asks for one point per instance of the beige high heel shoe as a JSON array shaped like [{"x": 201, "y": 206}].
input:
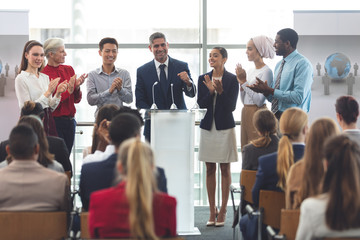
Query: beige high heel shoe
[
  {"x": 221, "y": 224},
  {"x": 212, "y": 223}
]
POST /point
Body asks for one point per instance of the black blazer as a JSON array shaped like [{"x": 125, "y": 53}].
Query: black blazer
[
  {"x": 146, "y": 76},
  {"x": 99, "y": 175},
  {"x": 225, "y": 103},
  {"x": 250, "y": 153},
  {"x": 57, "y": 147},
  {"x": 266, "y": 175}
]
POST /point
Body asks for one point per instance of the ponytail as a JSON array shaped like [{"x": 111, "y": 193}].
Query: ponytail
[
  {"x": 292, "y": 123},
  {"x": 285, "y": 160},
  {"x": 140, "y": 187}
]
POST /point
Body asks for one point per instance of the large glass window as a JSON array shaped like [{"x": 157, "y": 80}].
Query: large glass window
[{"x": 229, "y": 23}]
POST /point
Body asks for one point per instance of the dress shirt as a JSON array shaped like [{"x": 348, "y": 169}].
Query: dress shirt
[
  {"x": 29, "y": 87},
  {"x": 66, "y": 106},
  {"x": 248, "y": 96},
  {"x": 312, "y": 223},
  {"x": 157, "y": 66},
  {"x": 295, "y": 84},
  {"x": 99, "y": 156},
  {"x": 99, "y": 83}
]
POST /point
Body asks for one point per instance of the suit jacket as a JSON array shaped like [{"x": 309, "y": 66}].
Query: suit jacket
[
  {"x": 109, "y": 214},
  {"x": 146, "y": 76},
  {"x": 28, "y": 186},
  {"x": 266, "y": 176},
  {"x": 99, "y": 175},
  {"x": 250, "y": 153},
  {"x": 57, "y": 147},
  {"x": 225, "y": 103}
]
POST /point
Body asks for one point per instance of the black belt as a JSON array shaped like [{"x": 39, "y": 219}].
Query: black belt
[{"x": 64, "y": 118}]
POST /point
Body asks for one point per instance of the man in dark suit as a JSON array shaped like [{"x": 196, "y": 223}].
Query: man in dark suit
[
  {"x": 99, "y": 175},
  {"x": 174, "y": 73}
]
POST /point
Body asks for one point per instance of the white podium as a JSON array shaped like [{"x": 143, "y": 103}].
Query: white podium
[{"x": 172, "y": 139}]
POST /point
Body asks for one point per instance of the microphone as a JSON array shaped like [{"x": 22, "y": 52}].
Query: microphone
[
  {"x": 173, "y": 106},
  {"x": 153, "y": 106}
]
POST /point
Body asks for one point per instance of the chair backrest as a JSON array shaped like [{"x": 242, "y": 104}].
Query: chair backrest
[
  {"x": 247, "y": 181},
  {"x": 33, "y": 225},
  {"x": 84, "y": 227},
  {"x": 289, "y": 222},
  {"x": 272, "y": 202},
  {"x": 343, "y": 238}
]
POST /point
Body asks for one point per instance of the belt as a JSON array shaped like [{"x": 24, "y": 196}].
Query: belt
[{"x": 64, "y": 118}]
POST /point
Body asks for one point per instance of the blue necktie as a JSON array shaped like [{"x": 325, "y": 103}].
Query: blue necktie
[
  {"x": 163, "y": 80},
  {"x": 275, "y": 101}
]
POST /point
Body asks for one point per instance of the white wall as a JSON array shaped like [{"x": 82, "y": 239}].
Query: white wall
[{"x": 14, "y": 32}]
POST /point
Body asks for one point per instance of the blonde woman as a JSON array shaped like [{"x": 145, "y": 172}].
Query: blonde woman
[
  {"x": 306, "y": 175},
  {"x": 134, "y": 208},
  {"x": 274, "y": 167}
]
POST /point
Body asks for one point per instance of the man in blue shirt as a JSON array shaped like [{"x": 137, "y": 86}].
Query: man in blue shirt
[{"x": 293, "y": 76}]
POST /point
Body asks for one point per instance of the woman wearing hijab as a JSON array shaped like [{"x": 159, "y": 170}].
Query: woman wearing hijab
[{"x": 256, "y": 49}]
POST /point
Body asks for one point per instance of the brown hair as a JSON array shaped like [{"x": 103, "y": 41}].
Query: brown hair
[
  {"x": 342, "y": 183},
  {"x": 137, "y": 160},
  {"x": 266, "y": 124},
  {"x": 45, "y": 157},
  {"x": 292, "y": 122},
  {"x": 313, "y": 174},
  {"x": 105, "y": 112},
  {"x": 24, "y": 62}
]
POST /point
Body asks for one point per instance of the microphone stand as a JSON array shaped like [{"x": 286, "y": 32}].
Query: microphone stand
[
  {"x": 173, "y": 106},
  {"x": 153, "y": 106}
]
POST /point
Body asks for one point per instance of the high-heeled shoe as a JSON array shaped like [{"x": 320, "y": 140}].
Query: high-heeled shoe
[
  {"x": 219, "y": 223},
  {"x": 212, "y": 223}
]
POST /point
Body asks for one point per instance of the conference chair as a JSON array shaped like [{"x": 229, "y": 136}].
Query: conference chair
[
  {"x": 343, "y": 238},
  {"x": 288, "y": 225},
  {"x": 85, "y": 234},
  {"x": 247, "y": 181},
  {"x": 84, "y": 227},
  {"x": 270, "y": 205},
  {"x": 33, "y": 225}
]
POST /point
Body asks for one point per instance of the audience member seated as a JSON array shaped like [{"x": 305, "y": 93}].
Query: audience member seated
[
  {"x": 25, "y": 184},
  {"x": 305, "y": 175},
  {"x": 265, "y": 125},
  {"x": 273, "y": 168},
  {"x": 336, "y": 211},
  {"x": 347, "y": 113},
  {"x": 56, "y": 145},
  {"x": 99, "y": 175},
  {"x": 100, "y": 143},
  {"x": 134, "y": 208},
  {"x": 45, "y": 158}
]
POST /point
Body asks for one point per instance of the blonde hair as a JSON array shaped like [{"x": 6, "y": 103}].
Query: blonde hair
[
  {"x": 292, "y": 122},
  {"x": 319, "y": 132},
  {"x": 137, "y": 160}
]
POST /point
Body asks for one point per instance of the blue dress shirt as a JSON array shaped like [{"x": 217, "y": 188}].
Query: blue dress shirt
[{"x": 295, "y": 83}]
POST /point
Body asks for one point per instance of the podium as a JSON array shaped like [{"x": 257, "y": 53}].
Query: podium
[{"x": 172, "y": 140}]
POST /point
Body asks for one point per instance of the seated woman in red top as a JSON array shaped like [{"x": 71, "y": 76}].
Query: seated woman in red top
[{"x": 134, "y": 208}]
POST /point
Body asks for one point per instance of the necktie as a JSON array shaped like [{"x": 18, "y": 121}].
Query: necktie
[
  {"x": 163, "y": 81},
  {"x": 275, "y": 101}
]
